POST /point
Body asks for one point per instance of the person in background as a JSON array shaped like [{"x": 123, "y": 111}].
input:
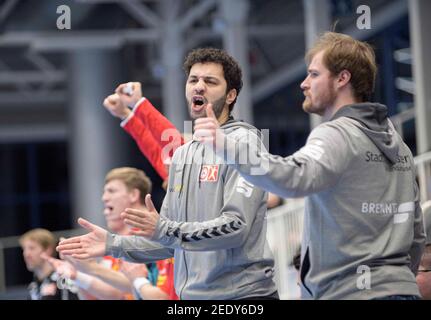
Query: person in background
[
  {"x": 124, "y": 188},
  {"x": 36, "y": 243}
]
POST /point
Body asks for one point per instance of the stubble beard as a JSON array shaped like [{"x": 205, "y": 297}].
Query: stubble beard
[
  {"x": 217, "y": 105},
  {"x": 326, "y": 102}
]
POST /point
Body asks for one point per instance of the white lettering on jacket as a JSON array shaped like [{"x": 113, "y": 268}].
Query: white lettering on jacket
[
  {"x": 400, "y": 211},
  {"x": 244, "y": 187}
]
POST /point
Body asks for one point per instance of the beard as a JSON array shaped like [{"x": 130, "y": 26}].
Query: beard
[
  {"x": 319, "y": 107},
  {"x": 218, "y": 107}
]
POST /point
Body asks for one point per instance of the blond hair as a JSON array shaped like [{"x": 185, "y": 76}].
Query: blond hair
[
  {"x": 45, "y": 238},
  {"x": 133, "y": 179}
]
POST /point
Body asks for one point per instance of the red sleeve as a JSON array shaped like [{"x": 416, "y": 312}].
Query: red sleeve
[
  {"x": 147, "y": 144},
  {"x": 157, "y": 124}
]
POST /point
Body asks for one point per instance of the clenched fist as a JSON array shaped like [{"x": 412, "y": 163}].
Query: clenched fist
[{"x": 116, "y": 107}]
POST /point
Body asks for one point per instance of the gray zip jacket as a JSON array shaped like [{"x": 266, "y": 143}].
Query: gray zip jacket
[
  {"x": 214, "y": 224},
  {"x": 363, "y": 231}
]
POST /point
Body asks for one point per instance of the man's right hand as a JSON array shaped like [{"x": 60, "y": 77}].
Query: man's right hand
[
  {"x": 90, "y": 245},
  {"x": 116, "y": 107},
  {"x": 133, "y": 270},
  {"x": 129, "y": 100},
  {"x": 63, "y": 268}
]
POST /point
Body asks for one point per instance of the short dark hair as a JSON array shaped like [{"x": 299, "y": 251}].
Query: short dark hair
[{"x": 231, "y": 69}]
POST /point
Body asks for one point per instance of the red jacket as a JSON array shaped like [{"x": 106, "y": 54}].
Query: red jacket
[{"x": 155, "y": 135}]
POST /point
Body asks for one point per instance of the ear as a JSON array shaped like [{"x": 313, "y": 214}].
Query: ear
[
  {"x": 134, "y": 195},
  {"x": 49, "y": 252},
  {"x": 231, "y": 96},
  {"x": 343, "y": 78}
]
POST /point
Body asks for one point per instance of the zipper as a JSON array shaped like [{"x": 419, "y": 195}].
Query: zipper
[
  {"x": 305, "y": 267},
  {"x": 186, "y": 203}
]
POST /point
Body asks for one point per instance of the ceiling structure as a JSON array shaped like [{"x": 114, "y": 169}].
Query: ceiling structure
[{"x": 33, "y": 64}]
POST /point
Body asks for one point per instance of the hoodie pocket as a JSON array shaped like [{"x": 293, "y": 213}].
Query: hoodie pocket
[{"x": 305, "y": 267}]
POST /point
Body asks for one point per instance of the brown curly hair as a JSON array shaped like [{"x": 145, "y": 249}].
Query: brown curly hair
[{"x": 231, "y": 69}]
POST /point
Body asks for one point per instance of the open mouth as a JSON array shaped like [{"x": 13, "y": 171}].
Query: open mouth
[
  {"x": 198, "y": 103},
  {"x": 108, "y": 209}
]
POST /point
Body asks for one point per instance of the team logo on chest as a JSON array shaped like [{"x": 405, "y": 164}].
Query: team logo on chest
[{"x": 209, "y": 173}]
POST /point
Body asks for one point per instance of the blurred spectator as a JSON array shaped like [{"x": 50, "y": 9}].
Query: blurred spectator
[
  {"x": 124, "y": 188},
  {"x": 35, "y": 243}
]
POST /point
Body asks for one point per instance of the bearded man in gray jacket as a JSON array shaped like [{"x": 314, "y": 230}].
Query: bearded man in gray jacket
[
  {"x": 363, "y": 227},
  {"x": 212, "y": 221}
]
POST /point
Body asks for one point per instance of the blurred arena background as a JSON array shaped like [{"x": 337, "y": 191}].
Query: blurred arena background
[{"x": 57, "y": 141}]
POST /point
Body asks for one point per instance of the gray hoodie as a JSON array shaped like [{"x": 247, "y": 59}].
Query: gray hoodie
[
  {"x": 213, "y": 222},
  {"x": 363, "y": 230}
]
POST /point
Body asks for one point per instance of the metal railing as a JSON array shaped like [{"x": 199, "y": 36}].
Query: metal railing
[
  {"x": 423, "y": 167},
  {"x": 284, "y": 236},
  {"x": 422, "y": 161},
  {"x": 401, "y": 118}
]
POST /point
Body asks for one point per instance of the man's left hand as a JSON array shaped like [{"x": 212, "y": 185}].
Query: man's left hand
[{"x": 144, "y": 221}]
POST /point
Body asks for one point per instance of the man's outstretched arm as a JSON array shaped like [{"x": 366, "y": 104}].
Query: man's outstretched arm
[
  {"x": 99, "y": 242},
  {"x": 315, "y": 167}
]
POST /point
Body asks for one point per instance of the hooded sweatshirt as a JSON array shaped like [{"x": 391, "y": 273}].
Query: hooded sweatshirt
[
  {"x": 363, "y": 231},
  {"x": 213, "y": 222}
]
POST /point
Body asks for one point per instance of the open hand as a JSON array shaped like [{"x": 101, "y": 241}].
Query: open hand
[
  {"x": 144, "y": 221},
  {"x": 90, "y": 245}
]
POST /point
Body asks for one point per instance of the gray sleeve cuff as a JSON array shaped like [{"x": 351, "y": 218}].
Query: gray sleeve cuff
[
  {"x": 113, "y": 245},
  {"x": 160, "y": 231},
  {"x": 126, "y": 119}
]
